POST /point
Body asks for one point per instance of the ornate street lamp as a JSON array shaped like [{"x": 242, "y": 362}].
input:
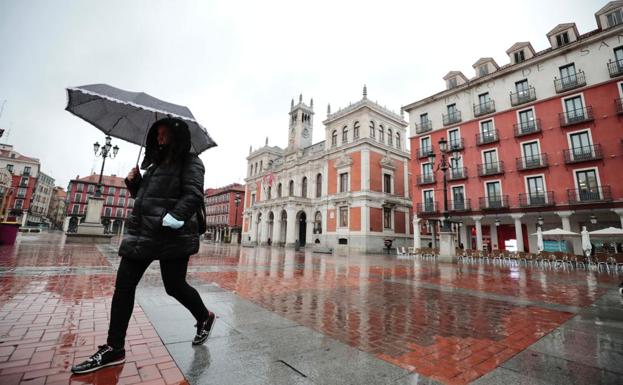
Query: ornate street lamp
[
  {"x": 104, "y": 152},
  {"x": 443, "y": 166},
  {"x": 237, "y": 202}
]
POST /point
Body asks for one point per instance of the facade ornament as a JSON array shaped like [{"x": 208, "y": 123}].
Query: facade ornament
[
  {"x": 266, "y": 144},
  {"x": 328, "y": 109},
  {"x": 387, "y": 162},
  {"x": 365, "y": 91},
  {"x": 300, "y": 98},
  {"x": 311, "y": 103},
  {"x": 343, "y": 161},
  {"x": 250, "y": 149},
  {"x": 291, "y": 103}
]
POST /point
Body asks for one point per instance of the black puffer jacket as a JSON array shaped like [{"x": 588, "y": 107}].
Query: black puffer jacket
[{"x": 166, "y": 187}]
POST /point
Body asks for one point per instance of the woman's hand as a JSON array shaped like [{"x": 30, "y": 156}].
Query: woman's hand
[{"x": 133, "y": 174}]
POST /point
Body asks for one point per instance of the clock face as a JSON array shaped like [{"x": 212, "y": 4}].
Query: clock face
[{"x": 305, "y": 133}]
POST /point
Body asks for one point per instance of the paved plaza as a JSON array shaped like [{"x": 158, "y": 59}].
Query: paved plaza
[{"x": 289, "y": 317}]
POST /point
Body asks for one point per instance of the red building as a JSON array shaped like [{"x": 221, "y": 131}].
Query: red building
[
  {"x": 224, "y": 207},
  {"x": 117, "y": 201},
  {"x": 17, "y": 199},
  {"x": 538, "y": 141}
]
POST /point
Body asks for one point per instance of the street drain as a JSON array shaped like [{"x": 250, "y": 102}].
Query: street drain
[{"x": 293, "y": 368}]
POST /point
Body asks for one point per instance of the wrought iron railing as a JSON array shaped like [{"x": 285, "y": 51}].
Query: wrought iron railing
[
  {"x": 523, "y": 96},
  {"x": 570, "y": 82},
  {"x": 579, "y": 115}
]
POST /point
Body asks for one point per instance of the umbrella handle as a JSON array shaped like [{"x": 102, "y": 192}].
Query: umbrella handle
[{"x": 139, "y": 156}]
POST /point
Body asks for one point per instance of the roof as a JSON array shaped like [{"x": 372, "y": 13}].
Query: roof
[
  {"x": 18, "y": 157},
  {"x": 610, "y": 6},
  {"x": 107, "y": 180},
  {"x": 219, "y": 190},
  {"x": 365, "y": 102},
  {"x": 452, "y": 74},
  {"x": 561, "y": 27},
  {"x": 518, "y": 45},
  {"x": 484, "y": 60}
]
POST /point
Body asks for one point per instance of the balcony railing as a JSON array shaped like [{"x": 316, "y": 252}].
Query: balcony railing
[
  {"x": 456, "y": 144},
  {"x": 424, "y": 152},
  {"x": 460, "y": 205},
  {"x": 579, "y": 115},
  {"x": 487, "y": 137},
  {"x": 484, "y": 108},
  {"x": 570, "y": 82},
  {"x": 619, "y": 105},
  {"x": 451, "y": 118},
  {"x": 423, "y": 127},
  {"x": 528, "y": 127},
  {"x": 426, "y": 208},
  {"x": 491, "y": 168},
  {"x": 457, "y": 173},
  {"x": 423, "y": 179},
  {"x": 523, "y": 96},
  {"x": 597, "y": 194},
  {"x": 531, "y": 162},
  {"x": 583, "y": 154},
  {"x": 494, "y": 202},
  {"x": 615, "y": 68},
  {"x": 541, "y": 199}
]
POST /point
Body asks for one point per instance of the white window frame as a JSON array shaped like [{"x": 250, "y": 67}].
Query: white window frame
[
  {"x": 480, "y": 122},
  {"x": 345, "y": 170},
  {"x": 391, "y": 219},
  {"x": 590, "y": 137},
  {"x": 518, "y": 120},
  {"x": 457, "y": 129},
  {"x": 451, "y": 187},
  {"x": 527, "y": 190},
  {"x": 391, "y": 177},
  {"x": 484, "y": 184},
  {"x": 575, "y": 180},
  {"x": 339, "y": 217},
  {"x": 422, "y": 139},
  {"x": 620, "y": 88},
  {"x": 566, "y": 97},
  {"x": 424, "y": 194},
  {"x": 497, "y": 154},
  {"x": 523, "y": 155}
]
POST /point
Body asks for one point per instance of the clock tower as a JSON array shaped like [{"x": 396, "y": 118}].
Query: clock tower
[{"x": 301, "y": 125}]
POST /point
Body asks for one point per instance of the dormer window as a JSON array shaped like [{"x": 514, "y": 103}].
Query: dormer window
[
  {"x": 519, "y": 56},
  {"x": 483, "y": 70},
  {"x": 562, "y": 39},
  {"x": 615, "y": 18},
  {"x": 452, "y": 83}
]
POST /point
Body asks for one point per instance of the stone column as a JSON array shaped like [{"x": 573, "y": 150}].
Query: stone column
[
  {"x": 619, "y": 212},
  {"x": 478, "y": 226},
  {"x": 291, "y": 228},
  {"x": 253, "y": 227},
  {"x": 465, "y": 240},
  {"x": 493, "y": 234},
  {"x": 518, "y": 231},
  {"x": 417, "y": 240},
  {"x": 433, "y": 234},
  {"x": 564, "y": 216},
  {"x": 276, "y": 236},
  {"x": 309, "y": 233}
]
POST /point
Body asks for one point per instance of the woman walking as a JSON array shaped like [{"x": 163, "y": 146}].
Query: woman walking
[{"x": 164, "y": 225}]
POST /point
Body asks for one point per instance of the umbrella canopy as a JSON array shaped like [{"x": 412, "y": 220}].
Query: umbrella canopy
[
  {"x": 558, "y": 233},
  {"x": 608, "y": 232},
  {"x": 129, "y": 115},
  {"x": 586, "y": 241},
  {"x": 539, "y": 240}
]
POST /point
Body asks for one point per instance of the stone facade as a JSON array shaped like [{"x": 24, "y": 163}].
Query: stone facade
[{"x": 349, "y": 192}]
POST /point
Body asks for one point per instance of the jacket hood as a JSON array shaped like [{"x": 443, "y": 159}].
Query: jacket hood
[{"x": 179, "y": 147}]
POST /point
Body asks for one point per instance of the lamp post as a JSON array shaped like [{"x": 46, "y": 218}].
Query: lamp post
[
  {"x": 237, "y": 202},
  {"x": 444, "y": 165},
  {"x": 104, "y": 152}
]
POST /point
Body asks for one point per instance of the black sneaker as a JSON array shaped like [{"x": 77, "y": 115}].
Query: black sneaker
[
  {"x": 204, "y": 329},
  {"x": 105, "y": 356}
]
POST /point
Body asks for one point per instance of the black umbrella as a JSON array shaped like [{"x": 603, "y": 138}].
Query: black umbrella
[{"x": 129, "y": 115}]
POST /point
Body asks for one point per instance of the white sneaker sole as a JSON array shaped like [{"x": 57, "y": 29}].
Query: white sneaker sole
[
  {"x": 208, "y": 336},
  {"x": 100, "y": 367}
]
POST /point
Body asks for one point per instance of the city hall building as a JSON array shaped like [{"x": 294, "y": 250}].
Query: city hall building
[
  {"x": 537, "y": 140},
  {"x": 349, "y": 191}
]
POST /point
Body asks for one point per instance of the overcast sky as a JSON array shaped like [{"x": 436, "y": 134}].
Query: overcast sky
[{"x": 237, "y": 64}]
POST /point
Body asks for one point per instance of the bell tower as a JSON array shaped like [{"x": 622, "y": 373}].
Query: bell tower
[{"x": 301, "y": 124}]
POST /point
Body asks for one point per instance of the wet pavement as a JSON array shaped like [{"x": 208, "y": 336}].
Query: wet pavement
[{"x": 290, "y": 317}]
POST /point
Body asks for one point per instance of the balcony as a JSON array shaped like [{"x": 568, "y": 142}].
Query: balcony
[
  {"x": 542, "y": 199},
  {"x": 456, "y": 144},
  {"x": 484, "y": 108},
  {"x": 427, "y": 208},
  {"x": 583, "y": 154},
  {"x": 532, "y": 162},
  {"x": 424, "y": 126},
  {"x": 615, "y": 68},
  {"x": 451, "y": 118},
  {"x": 425, "y": 179},
  {"x": 576, "y": 116},
  {"x": 457, "y": 173},
  {"x": 523, "y": 96},
  {"x": 528, "y": 127},
  {"x": 26, "y": 173},
  {"x": 424, "y": 152},
  {"x": 597, "y": 194},
  {"x": 570, "y": 82},
  {"x": 619, "y": 105},
  {"x": 492, "y": 168},
  {"x": 460, "y": 205},
  {"x": 487, "y": 137},
  {"x": 494, "y": 202}
]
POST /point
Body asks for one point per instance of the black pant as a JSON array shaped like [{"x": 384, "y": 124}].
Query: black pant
[{"x": 129, "y": 274}]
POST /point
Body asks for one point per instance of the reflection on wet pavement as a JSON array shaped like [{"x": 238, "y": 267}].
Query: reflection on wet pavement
[{"x": 452, "y": 323}]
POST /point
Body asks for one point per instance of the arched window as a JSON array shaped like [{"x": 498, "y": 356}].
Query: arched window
[
  {"x": 268, "y": 192},
  {"x": 398, "y": 140},
  {"x": 372, "y": 130},
  {"x": 318, "y": 185},
  {"x": 279, "y": 190},
  {"x": 381, "y": 133},
  {"x": 356, "y": 130},
  {"x": 390, "y": 137},
  {"x": 255, "y": 172},
  {"x": 345, "y": 134},
  {"x": 318, "y": 223},
  {"x": 334, "y": 138},
  {"x": 304, "y": 187},
  {"x": 261, "y": 165},
  {"x": 291, "y": 188}
]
